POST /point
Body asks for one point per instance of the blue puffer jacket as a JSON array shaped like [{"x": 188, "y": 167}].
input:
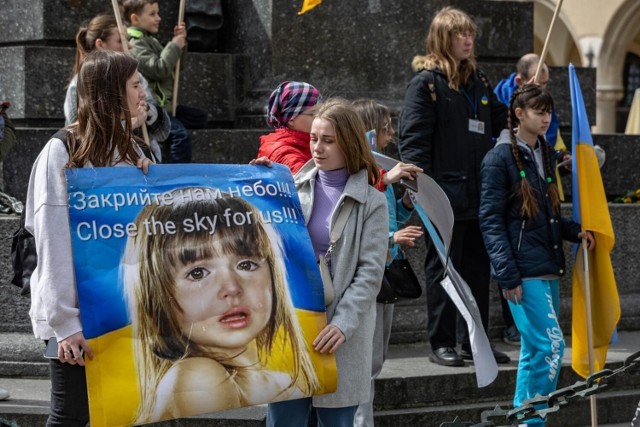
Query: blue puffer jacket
[{"x": 520, "y": 247}]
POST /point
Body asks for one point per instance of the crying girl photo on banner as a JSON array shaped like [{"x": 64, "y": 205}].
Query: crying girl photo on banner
[{"x": 198, "y": 290}]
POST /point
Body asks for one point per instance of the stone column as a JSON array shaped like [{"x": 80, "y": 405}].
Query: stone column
[{"x": 608, "y": 98}]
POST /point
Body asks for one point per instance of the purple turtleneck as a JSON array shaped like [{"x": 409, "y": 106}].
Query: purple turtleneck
[{"x": 327, "y": 191}]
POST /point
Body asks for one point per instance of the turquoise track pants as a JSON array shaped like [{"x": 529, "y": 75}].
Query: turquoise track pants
[{"x": 542, "y": 345}]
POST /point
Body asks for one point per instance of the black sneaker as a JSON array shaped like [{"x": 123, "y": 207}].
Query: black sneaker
[{"x": 511, "y": 335}]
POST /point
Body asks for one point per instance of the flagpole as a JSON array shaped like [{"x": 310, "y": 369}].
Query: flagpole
[
  {"x": 545, "y": 48},
  {"x": 587, "y": 297},
  {"x": 176, "y": 78},
  {"x": 125, "y": 48}
]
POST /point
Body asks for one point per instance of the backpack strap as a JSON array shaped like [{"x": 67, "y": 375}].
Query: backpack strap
[
  {"x": 484, "y": 79},
  {"x": 62, "y": 135},
  {"x": 341, "y": 222},
  {"x": 431, "y": 84}
]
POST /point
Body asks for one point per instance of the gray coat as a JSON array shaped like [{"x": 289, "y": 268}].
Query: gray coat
[{"x": 357, "y": 265}]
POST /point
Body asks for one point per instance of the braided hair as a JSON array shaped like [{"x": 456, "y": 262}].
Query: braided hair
[{"x": 531, "y": 96}]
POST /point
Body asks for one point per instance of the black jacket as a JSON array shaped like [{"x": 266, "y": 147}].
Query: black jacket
[
  {"x": 520, "y": 248},
  {"x": 436, "y": 136}
]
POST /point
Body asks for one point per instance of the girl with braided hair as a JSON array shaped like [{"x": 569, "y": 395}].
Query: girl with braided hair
[{"x": 523, "y": 232}]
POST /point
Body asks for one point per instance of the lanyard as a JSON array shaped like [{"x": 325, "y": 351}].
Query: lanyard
[{"x": 474, "y": 103}]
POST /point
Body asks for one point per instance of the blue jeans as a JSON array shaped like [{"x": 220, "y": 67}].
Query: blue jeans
[
  {"x": 179, "y": 141},
  {"x": 542, "y": 341},
  {"x": 295, "y": 413},
  {"x": 69, "y": 398}
]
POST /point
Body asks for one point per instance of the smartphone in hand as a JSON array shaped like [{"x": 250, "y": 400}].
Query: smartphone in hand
[
  {"x": 411, "y": 184},
  {"x": 51, "y": 352}
]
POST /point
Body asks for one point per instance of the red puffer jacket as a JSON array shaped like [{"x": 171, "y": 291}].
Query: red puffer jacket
[{"x": 286, "y": 146}]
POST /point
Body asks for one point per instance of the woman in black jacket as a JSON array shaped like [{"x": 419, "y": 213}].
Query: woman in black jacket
[
  {"x": 523, "y": 232},
  {"x": 449, "y": 119}
]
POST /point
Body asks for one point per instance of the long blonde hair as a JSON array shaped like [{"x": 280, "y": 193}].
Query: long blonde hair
[
  {"x": 447, "y": 23},
  {"x": 148, "y": 266},
  {"x": 350, "y": 136}
]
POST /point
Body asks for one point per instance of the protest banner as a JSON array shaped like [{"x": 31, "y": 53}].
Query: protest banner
[{"x": 198, "y": 290}]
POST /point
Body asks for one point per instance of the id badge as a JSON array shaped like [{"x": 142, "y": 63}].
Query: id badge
[{"x": 476, "y": 126}]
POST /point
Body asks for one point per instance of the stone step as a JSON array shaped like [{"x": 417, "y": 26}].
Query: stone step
[
  {"x": 613, "y": 407},
  {"x": 213, "y": 82},
  {"x": 410, "y": 391}
]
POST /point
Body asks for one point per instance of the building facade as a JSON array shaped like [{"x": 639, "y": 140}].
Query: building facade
[{"x": 601, "y": 34}]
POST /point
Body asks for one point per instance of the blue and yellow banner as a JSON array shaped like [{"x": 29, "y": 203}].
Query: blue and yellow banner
[
  {"x": 590, "y": 209},
  {"x": 198, "y": 290}
]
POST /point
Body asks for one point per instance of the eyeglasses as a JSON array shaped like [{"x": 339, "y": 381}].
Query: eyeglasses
[{"x": 465, "y": 35}]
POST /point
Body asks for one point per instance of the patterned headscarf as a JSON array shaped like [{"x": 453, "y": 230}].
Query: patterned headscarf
[{"x": 289, "y": 100}]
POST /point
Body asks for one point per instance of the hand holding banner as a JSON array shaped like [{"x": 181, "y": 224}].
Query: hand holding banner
[{"x": 198, "y": 290}]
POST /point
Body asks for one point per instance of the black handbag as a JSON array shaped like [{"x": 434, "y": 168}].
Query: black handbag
[{"x": 399, "y": 283}]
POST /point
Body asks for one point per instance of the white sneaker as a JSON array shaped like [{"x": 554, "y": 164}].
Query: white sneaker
[{"x": 4, "y": 394}]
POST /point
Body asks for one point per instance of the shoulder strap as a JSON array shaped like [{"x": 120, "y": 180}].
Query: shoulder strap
[
  {"x": 341, "y": 221},
  {"x": 431, "y": 84},
  {"x": 484, "y": 79},
  {"x": 63, "y": 136}
]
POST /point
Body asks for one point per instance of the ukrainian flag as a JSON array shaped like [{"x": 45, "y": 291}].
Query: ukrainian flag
[{"x": 591, "y": 210}]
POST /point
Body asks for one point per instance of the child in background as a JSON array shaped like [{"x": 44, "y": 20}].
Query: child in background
[
  {"x": 158, "y": 64},
  {"x": 523, "y": 232},
  {"x": 377, "y": 118},
  {"x": 101, "y": 33},
  {"x": 205, "y": 350},
  {"x": 291, "y": 111}
]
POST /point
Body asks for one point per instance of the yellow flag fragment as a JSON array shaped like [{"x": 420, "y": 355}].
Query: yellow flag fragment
[{"x": 307, "y": 5}]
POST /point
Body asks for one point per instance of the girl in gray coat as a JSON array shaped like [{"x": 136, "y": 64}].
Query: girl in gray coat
[{"x": 342, "y": 168}]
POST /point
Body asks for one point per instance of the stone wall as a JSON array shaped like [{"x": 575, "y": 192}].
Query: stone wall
[
  {"x": 37, "y": 48},
  {"x": 349, "y": 49}
]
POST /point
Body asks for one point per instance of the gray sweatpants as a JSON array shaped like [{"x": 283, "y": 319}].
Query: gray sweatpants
[{"x": 381, "y": 335}]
